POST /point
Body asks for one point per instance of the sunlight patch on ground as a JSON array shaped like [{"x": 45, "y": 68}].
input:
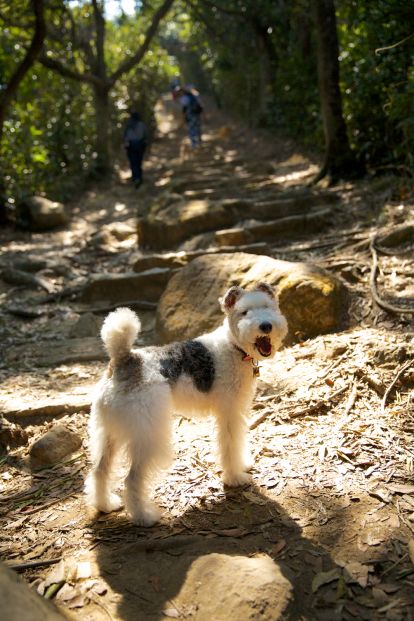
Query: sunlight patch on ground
[
  {"x": 295, "y": 176},
  {"x": 195, "y": 208}
]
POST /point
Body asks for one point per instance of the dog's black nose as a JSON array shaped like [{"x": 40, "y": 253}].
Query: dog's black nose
[{"x": 266, "y": 327}]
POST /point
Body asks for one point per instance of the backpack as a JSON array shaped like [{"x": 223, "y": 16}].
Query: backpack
[{"x": 194, "y": 106}]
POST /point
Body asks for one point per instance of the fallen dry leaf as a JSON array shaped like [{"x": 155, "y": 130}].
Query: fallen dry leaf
[
  {"x": 357, "y": 572},
  {"x": 325, "y": 577},
  {"x": 399, "y": 488},
  {"x": 83, "y": 570},
  {"x": 171, "y": 612},
  {"x": 56, "y": 575}
]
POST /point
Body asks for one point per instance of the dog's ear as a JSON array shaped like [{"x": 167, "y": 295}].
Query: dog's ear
[
  {"x": 263, "y": 286},
  {"x": 230, "y": 298}
]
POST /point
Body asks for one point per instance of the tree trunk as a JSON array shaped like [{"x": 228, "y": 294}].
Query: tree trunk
[
  {"x": 11, "y": 87},
  {"x": 340, "y": 161},
  {"x": 266, "y": 59},
  {"x": 96, "y": 76},
  {"x": 102, "y": 120}
]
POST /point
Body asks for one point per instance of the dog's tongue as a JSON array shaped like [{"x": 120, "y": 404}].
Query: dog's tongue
[{"x": 264, "y": 346}]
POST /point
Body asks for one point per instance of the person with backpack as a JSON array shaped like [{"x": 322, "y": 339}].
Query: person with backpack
[
  {"x": 192, "y": 110},
  {"x": 135, "y": 142}
]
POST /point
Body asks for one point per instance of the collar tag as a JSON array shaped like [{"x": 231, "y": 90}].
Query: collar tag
[{"x": 256, "y": 369}]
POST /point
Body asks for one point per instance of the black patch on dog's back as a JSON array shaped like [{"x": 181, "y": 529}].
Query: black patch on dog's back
[{"x": 192, "y": 358}]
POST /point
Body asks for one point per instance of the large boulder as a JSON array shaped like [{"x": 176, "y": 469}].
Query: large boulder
[
  {"x": 313, "y": 300},
  {"x": 38, "y": 213},
  {"x": 21, "y": 603},
  {"x": 222, "y": 587}
]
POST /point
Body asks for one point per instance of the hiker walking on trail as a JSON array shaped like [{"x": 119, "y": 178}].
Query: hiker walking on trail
[
  {"x": 192, "y": 109},
  {"x": 135, "y": 142}
]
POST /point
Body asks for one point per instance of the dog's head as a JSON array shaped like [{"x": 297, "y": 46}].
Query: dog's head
[{"x": 255, "y": 320}]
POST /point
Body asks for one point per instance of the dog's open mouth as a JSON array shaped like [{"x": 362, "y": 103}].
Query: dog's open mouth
[{"x": 263, "y": 345}]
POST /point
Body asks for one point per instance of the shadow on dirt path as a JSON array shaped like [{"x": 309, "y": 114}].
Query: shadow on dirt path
[{"x": 148, "y": 575}]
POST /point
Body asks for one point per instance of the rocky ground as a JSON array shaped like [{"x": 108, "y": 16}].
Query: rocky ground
[{"x": 325, "y": 530}]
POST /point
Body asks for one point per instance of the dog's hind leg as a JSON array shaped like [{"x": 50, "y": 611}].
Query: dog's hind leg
[
  {"x": 148, "y": 453},
  {"x": 141, "y": 509},
  {"x": 232, "y": 441},
  {"x": 97, "y": 485}
]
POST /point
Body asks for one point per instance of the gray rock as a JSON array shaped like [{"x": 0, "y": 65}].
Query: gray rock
[
  {"x": 83, "y": 349},
  {"x": 29, "y": 263},
  {"x": 20, "y": 603},
  {"x": 224, "y": 588},
  {"x": 54, "y": 445},
  {"x": 29, "y": 411},
  {"x": 38, "y": 213},
  {"x": 119, "y": 288},
  {"x": 87, "y": 325}
]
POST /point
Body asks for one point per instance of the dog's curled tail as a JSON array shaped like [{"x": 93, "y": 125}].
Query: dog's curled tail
[{"x": 119, "y": 331}]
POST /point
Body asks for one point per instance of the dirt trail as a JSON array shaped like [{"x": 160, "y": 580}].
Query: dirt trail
[{"x": 332, "y": 497}]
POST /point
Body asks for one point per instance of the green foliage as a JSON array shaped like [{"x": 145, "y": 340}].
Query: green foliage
[
  {"x": 50, "y": 133},
  {"x": 378, "y": 86},
  {"x": 48, "y": 136},
  {"x": 256, "y": 57}
]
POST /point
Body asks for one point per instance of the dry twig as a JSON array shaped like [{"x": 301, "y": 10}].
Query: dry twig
[
  {"x": 351, "y": 399},
  {"x": 394, "y": 381},
  {"x": 32, "y": 564},
  {"x": 262, "y": 417},
  {"x": 311, "y": 409},
  {"x": 373, "y": 285}
]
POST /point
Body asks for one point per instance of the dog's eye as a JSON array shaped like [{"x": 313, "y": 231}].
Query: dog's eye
[{"x": 244, "y": 312}]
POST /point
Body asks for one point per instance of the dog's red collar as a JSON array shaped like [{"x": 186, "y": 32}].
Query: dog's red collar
[{"x": 248, "y": 358}]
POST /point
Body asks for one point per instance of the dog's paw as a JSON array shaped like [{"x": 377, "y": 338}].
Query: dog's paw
[
  {"x": 112, "y": 502},
  {"x": 145, "y": 515},
  {"x": 236, "y": 479}
]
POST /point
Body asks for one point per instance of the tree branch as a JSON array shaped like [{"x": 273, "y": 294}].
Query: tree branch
[
  {"x": 100, "y": 39},
  {"x": 67, "y": 72},
  {"x": 128, "y": 64},
  {"x": 28, "y": 60}
]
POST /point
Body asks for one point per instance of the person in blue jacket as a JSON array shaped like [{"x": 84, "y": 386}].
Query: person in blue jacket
[
  {"x": 192, "y": 109},
  {"x": 135, "y": 142}
]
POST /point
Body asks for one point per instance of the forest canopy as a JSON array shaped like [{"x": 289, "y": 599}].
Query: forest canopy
[{"x": 91, "y": 61}]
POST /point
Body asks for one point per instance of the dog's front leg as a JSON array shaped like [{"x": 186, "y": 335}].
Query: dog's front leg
[{"x": 233, "y": 449}]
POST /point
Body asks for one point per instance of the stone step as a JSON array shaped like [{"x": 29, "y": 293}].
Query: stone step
[
  {"x": 171, "y": 222},
  {"x": 147, "y": 285},
  {"x": 178, "y": 259},
  {"x": 297, "y": 225}
]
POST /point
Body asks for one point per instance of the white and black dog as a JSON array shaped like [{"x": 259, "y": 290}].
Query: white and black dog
[{"x": 141, "y": 389}]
